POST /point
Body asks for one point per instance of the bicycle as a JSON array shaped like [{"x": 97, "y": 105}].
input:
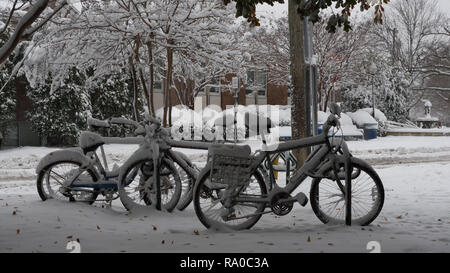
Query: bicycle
[
  {"x": 231, "y": 191},
  {"x": 78, "y": 174},
  {"x": 157, "y": 151}
]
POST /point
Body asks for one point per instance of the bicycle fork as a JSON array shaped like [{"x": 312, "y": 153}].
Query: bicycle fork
[{"x": 156, "y": 166}]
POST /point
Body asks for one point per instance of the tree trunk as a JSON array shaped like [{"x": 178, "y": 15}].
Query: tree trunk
[
  {"x": 167, "y": 85},
  {"x": 135, "y": 89},
  {"x": 146, "y": 93},
  {"x": 152, "y": 76},
  {"x": 297, "y": 69},
  {"x": 169, "y": 80},
  {"x": 141, "y": 73}
]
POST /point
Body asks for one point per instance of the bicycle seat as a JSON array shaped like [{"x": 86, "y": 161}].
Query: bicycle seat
[{"x": 89, "y": 142}]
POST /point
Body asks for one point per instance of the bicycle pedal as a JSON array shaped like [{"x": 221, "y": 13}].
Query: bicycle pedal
[{"x": 301, "y": 199}]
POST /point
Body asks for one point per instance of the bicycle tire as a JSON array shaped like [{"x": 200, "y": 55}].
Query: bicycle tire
[
  {"x": 362, "y": 220},
  {"x": 45, "y": 172}
]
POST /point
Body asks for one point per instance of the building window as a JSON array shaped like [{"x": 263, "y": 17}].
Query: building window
[
  {"x": 214, "y": 86},
  {"x": 157, "y": 83},
  {"x": 256, "y": 82}
]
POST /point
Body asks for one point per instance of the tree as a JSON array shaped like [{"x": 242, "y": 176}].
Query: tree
[
  {"x": 392, "y": 95},
  {"x": 7, "y": 88},
  {"x": 58, "y": 115},
  {"x": 312, "y": 8},
  {"x": 183, "y": 43},
  {"x": 269, "y": 47},
  {"x": 297, "y": 9},
  {"x": 244, "y": 8},
  {"x": 338, "y": 58},
  {"x": 414, "y": 31},
  {"x": 111, "y": 96}
]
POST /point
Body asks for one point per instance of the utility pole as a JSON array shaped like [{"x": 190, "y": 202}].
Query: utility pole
[
  {"x": 235, "y": 85},
  {"x": 302, "y": 80},
  {"x": 310, "y": 78}
]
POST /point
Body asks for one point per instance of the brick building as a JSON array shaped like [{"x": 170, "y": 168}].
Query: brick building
[{"x": 255, "y": 89}]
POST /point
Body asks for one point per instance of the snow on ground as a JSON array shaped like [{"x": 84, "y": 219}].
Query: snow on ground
[
  {"x": 415, "y": 217},
  {"x": 16, "y": 161}
]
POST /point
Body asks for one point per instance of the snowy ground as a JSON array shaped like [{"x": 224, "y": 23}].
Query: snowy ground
[{"x": 415, "y": 217}]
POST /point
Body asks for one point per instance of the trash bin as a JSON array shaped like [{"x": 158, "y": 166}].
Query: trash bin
[
  {"x": 370, "y": 130},
  {"x": 319, "y": 128}
]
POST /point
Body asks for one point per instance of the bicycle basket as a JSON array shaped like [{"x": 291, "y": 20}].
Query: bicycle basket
[{"x": 230, "y": 164}]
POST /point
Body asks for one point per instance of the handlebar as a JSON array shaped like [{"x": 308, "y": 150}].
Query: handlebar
[
  {"x": 124, "y": 121},
  {"x": 140, "y": 129},
  {"x": 98, "y": 123}
]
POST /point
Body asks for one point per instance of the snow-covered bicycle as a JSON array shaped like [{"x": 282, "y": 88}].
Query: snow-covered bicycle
[
  {"x": 78, "y": 174},
  {"x": 157, "y": 149},
  {"x": 231, "y": 192}
]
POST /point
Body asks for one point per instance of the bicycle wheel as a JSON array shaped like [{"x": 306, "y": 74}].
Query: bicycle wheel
[
  {"x": 328, "y": 202},
  {"x": 137, "y": 187},
  {"x": 51, "y": 179},
  {"x": 210, "y": 209}
]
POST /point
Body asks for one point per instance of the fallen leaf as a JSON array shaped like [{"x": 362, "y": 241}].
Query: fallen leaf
[
  {"x": 14, "y": 213},
  {"x": 196, "y": 232},
  {"x": 309, "y": 239},
  {"x": 69, "y": 237},
  {"x": 330, "y": 244},
  {"x": 399, "y": 217},
  {"x": 6, "y": 204},
  {"x": 17, "y": 231}
]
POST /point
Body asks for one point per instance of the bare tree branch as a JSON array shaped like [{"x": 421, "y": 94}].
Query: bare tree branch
[
  {"x": 26, "y": 21},
  {"x": 11, "y": 13},
  {"x": 30, "y": 32}
]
